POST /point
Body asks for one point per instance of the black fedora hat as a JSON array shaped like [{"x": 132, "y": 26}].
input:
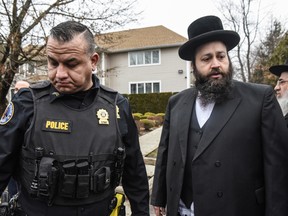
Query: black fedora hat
[
  {"x": 278, "y": 69},
  {"x": 207, "y": 29}
]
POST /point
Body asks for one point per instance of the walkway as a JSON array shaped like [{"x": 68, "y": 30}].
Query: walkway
[{"x": 148, "y": 143}]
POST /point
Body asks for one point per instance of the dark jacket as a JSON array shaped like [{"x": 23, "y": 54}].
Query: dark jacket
[
  {"x": 240, "y": 166},
  {"x": 12, "y": 133}
]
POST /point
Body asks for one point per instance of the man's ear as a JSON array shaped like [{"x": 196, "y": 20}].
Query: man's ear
[{"x": 94, "y": 59}]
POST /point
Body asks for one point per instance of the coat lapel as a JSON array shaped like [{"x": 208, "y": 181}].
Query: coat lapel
[
  {"x": 219, "y": 117},
  {"x": 183, "y": 123}
]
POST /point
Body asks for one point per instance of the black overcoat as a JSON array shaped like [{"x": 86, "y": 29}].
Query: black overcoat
[{"x": 240, "y": 166}]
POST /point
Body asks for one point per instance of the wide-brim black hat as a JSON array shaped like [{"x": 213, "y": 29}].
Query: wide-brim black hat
[
  {"x": 207, "y": 29},
  {"x": 278, "y": 69}
]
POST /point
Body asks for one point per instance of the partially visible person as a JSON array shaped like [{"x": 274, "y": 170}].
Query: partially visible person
[
  {"x": 223, "y": 149},
  {"x": 20, "y": 84},
  {"x": 281, "y": 87},
  {"x": 71, "y": 141},
  {"x": 12, "y": 185}
]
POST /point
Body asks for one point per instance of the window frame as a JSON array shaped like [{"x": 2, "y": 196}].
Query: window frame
[
  {"x": 143, "y": 54},
  {"x": 145, "y": 82}
]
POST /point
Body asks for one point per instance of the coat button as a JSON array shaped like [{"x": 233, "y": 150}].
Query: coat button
[
  {"x": 217, "y": 164},
  {"x": 174, "y": 163},
  {"x": 219, "y": 194}
]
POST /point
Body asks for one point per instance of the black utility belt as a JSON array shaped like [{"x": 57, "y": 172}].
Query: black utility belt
[{"x": 76, "y": 179}]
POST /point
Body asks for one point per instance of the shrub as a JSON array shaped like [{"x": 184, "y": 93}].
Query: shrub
[
  {"x": 147, "y": 124},
  {"x": 143, "y": 117},
  {"x": 149, "y": 114},
  {"x": 138, "y": 125},
  {"x": 161, "y": 117},
  {"x": 158, "y": 120},
  {"x": 137, "y": 116}
]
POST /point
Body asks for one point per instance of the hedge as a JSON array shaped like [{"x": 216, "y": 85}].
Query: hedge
[{"x": 152, "y": 102}]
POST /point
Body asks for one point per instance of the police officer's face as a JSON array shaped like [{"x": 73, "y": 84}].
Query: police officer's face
[{"x": 69, "y": 65}]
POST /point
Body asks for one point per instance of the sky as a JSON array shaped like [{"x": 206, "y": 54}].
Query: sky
[{"x": 178, "y": 14}]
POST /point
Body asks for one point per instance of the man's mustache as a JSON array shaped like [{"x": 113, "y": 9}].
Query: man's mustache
[{"x": 215, "y": 71}]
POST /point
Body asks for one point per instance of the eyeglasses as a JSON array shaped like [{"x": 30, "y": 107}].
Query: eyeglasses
[{"x": 281, "y": 82}]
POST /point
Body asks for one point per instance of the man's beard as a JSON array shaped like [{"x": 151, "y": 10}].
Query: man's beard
[
  {"x": 283, "y": 102},
  {"x": 213, "y": 90}
]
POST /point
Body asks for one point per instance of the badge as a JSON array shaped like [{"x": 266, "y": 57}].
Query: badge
[
  {"x": 56, "y": 94},
  {"x": 103, "y": 116},
  {"x": 117, "y": 112},
  {"x": 8, "y": 114}
]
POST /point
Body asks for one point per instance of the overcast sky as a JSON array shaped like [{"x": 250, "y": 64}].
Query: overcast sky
[{"x": 178, "y": 14}]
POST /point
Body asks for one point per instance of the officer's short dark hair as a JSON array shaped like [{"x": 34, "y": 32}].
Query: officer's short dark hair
[{"x": 66, "y": 31}]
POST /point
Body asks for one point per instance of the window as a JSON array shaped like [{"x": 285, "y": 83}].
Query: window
[
  {"x": 144, "y": 87},
  {"x": 148, "y": 57}
]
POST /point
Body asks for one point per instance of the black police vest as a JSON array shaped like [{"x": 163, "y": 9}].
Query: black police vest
[{"x": 70, "y": 155}]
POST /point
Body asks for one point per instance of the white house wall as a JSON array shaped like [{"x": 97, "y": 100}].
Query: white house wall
[{"x": 171, "y": 72}]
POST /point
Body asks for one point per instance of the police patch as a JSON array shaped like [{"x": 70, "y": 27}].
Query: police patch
[
  {"x": 62, "y": 126},
  {"x": 8, "y": 114}
]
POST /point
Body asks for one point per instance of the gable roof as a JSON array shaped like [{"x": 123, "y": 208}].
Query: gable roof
[{"x": 135, "y": 39}]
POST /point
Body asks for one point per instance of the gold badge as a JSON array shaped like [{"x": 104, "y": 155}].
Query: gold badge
[
  {"x": 103, "y": 116},
  {"x": 117, "y": 112}
]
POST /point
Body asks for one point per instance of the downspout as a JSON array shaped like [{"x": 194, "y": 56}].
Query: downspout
[
  {"x": 188, "y": 74},
  {"x": 103, "y": 69}
]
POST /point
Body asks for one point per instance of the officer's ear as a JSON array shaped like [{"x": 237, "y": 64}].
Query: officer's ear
[{"x": 94, "y": 59}]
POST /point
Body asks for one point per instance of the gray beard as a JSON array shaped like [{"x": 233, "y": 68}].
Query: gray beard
[
  {"x": 283, "y": 102},
  {"x": 213, "y": 90}
]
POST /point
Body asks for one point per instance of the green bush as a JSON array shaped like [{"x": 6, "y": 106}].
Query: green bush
[
  {"x": 161, "y": 116},
  {"x": 152, "y": 102},
  {"x": 147, "y": 124},
  {"x": 137, "y": 116},
  {"x": 149, "y": 114}
]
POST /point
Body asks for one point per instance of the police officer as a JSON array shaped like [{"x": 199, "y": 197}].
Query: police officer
[{"x": 69, "y": 142}]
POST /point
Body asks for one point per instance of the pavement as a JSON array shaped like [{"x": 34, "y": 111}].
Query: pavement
[{"x": 148, "y": 143}]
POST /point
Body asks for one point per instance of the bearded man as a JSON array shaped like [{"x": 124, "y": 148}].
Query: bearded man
[
  {"x": 223, "y": 149},
  {"x": 281, "y": 87}
]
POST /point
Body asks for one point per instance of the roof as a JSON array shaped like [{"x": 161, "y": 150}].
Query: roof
[{"x": 135, "y": 39}]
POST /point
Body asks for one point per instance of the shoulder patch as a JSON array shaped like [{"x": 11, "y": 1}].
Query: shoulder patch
[{"x": 8, "y": 114}]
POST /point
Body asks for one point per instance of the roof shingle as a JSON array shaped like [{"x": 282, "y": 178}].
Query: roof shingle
[{"x": 133, "y": 39}]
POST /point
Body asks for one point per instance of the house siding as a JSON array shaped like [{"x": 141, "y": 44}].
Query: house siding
[{"x": 166, "y": 72}]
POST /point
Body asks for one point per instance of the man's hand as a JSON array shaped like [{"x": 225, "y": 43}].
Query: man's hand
[{"x": 159, "y": 211}]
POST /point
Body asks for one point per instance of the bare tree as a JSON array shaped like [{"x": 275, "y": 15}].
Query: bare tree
[
  {"x": 244, "y": 20},
  {"x": 25, "y": 25}
]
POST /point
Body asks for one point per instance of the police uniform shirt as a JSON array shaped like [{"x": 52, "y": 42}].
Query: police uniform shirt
[{"x": 16, "y": 121}]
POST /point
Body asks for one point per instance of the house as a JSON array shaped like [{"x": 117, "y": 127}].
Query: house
[{"x": 143, "y": 60}]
